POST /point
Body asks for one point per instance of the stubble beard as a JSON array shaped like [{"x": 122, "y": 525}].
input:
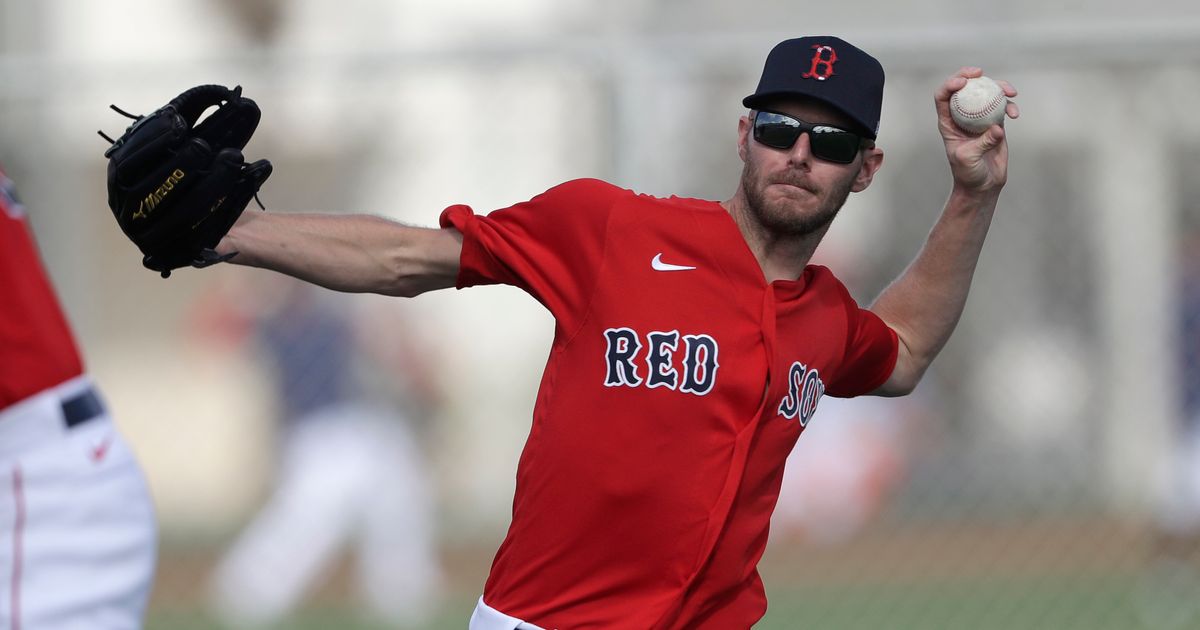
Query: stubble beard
[{"x": 776, "y": 217}]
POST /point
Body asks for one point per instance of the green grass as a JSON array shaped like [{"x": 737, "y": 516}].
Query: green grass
[
  {"x": 1044, "y": 576},
  {"x": 1063, "y": 603},
  {"x": 452, "y": 616},
  {"x": 1045, "y": 603}
]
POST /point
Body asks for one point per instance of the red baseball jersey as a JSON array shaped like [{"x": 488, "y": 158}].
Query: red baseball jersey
[
  {"x": 37, "y": 349},
  {"x": 677, "y": 383}
]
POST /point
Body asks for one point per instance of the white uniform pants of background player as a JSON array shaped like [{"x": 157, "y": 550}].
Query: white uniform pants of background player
[
  {"x": 1179, "y": 503},
  {"x": 77, "y": 527},
  {"x": 348, "y": 472}
]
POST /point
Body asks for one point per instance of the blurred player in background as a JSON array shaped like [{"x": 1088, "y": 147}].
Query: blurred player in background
[
  {"x": 350, "y": 467},
  {"x": 1170, "y": 596},
  {"x": 77, "y": 527},
  {"x": 1180, "y": 515}
]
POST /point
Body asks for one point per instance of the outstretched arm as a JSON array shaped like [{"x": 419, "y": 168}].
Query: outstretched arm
[
  {"x": 924, "y": 304},
  {"x": 352, "y": 253}
]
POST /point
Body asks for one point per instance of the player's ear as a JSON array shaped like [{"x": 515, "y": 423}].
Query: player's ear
[
  {"x": 744, "y": 137},
  {"x": 871, "y": 161}
]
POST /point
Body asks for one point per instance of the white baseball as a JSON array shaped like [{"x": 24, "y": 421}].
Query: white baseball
[{"x": 978, "y": 105}]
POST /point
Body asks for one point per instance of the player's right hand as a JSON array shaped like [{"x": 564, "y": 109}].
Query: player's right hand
[{"x": 979, "y": 164}]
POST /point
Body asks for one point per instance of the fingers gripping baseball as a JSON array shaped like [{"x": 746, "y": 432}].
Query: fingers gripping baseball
[
  {"x": 971, "y": 110},
  {"x": 959, "y": 80}
]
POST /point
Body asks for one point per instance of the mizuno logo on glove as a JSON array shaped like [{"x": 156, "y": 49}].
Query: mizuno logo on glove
[{"x": 153, "y": 199}]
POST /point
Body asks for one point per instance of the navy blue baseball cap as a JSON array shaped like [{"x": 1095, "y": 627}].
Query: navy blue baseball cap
[{"x": 827, "y": 69}]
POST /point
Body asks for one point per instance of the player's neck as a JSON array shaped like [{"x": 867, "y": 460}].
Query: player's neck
[{"x": 779, "y": 256}]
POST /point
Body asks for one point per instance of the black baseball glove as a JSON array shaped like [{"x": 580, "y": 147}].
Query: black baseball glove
[{"x": 175, "y": 186}]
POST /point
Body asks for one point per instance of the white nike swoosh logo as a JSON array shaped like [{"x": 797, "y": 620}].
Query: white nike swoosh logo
[{"x": 658, "y": 265}]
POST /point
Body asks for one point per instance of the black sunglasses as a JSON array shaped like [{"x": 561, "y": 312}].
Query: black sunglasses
[{"x": 780, "y": 131}]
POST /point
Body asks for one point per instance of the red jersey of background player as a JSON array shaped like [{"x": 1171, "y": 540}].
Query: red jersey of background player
[
  {"x": 37, "y": 349},
  {"x": 678, "y": 381}
]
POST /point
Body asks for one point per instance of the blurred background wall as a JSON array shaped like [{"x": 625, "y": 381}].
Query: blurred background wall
[{"x": 1031, "y": 471}]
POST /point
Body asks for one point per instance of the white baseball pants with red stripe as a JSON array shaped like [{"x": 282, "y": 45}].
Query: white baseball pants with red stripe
[{"x": 77, "y": 527}]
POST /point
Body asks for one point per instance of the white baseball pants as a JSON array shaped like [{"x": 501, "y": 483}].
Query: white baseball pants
[
  {"x": 487, "y": 618},
  {"x": 77, "y": 527}
]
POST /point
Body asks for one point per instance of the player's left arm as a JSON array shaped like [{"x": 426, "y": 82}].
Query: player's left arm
[{"x": 924, "y": 304}]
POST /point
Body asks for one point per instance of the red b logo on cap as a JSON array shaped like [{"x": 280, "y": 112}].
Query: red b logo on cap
[{"x": 822, "y": 63}]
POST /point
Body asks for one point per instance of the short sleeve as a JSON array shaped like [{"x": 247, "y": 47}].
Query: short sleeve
[
  {"x": 551, "y": 246},
  {"x": 871, "y": 351}
]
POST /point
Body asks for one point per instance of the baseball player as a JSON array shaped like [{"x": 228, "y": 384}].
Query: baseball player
[
  {"x": 1166, "y": 598},
  {"x": 374, "y": 499},
  {"x": 692, "y": 344},
  {"x": 77, "y": 529}
]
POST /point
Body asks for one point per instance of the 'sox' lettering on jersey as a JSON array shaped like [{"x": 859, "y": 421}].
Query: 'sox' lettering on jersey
[
  {"x": 822, "y": 63},
  {"x": 699, "y": 365},
  {"x": 805, "y": 389}
]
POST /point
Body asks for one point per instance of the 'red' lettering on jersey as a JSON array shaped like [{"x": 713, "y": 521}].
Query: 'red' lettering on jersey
[
  {"x": 37, "y": 349},
  {"x": 667, "y": 408}
]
